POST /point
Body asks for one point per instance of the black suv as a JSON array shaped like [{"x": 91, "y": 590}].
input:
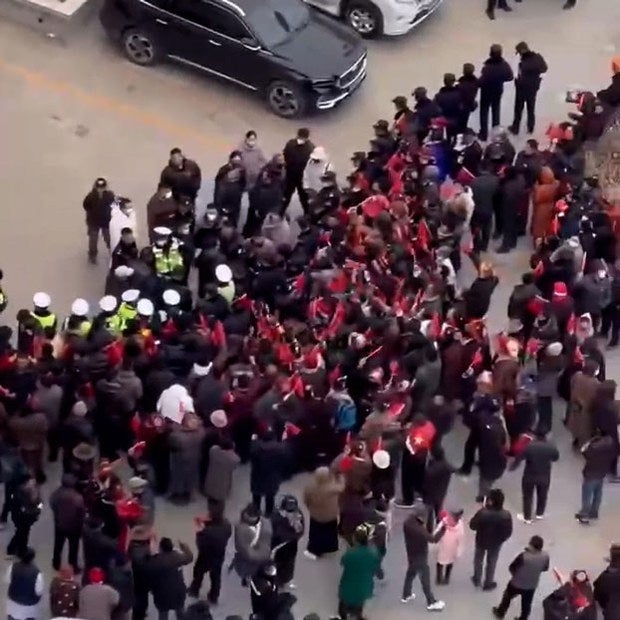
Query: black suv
[{"x": 296, "y": 58}]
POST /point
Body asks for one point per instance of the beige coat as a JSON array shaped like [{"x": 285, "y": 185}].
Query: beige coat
[{"x": 322, "y": 494}]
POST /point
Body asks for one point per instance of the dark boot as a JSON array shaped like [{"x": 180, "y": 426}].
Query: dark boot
[
  {"x": 569, "y": 4},
  {"x": 504, "y": 6},
  {"x": 491, "y": 15}
]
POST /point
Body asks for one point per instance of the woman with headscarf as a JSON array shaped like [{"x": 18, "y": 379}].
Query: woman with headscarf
[{"x": 288, "y": 527}]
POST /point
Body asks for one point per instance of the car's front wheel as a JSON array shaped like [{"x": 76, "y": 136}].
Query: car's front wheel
[
  {"x": 140, "y": 47},
  {"x": 364, "y": 18},
  {"x": 286, "y": 99}
]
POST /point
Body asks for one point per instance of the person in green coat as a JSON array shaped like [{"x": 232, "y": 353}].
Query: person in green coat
[{"x": 359, "y": 566}]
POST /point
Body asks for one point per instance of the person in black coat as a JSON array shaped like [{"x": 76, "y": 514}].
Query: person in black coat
[
  {"x": 468, "y": 85},
  {"x": 607, "y": 586},
  {"x": 491, "y": 450},
  {"x": 425, "y": 111},
  {"x": 451, "y": 103},
  {"x": 436, "y": 482},
  {"x": 182, "y": 175},
  {"x": 268, "y": 460},
  {"x": 296, "y": 155},
  {"x": 500, "y": 4},
  {"x": 478, "y": 296},
  {"x": 495, "y": 73},
  {"x": 166, "y": 577},
  {"x": 531, "y": 67},
  {"x": 493, "y": 527},
  {"x": 512, "y": 192},
  {"x": 211, "y": 541},
  {"x": 288, "y": 527},
  {"x": 98, "y": 207},
  {"x": 265, "y": 197},
  {"x": 484, "y": 191},
  {"x": 98, "y": 549}
]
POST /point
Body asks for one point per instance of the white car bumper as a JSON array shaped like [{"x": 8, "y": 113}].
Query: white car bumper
[{"x": 404, "y": 18}]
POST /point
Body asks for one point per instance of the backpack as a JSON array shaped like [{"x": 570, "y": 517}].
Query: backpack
[{"x": 346, "y": 415}]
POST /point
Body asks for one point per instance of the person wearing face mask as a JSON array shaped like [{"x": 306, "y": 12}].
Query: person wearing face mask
[
  {"x": 229, "y": 188},
  {"x": 253, "y": 158},
  {"x": 317, "y": 166},
  {"x": 123, "y": 216},
  {"x": 160, "y": 208},
  {"x": 98, "y": 205},
  {"x": 296, "y": 155}
]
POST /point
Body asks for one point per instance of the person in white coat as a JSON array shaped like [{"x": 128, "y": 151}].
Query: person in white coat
[
  {"x": 450, "y": 545},
  {"x": 123, "y": 216},
  {"x": 317, "y": 166}
]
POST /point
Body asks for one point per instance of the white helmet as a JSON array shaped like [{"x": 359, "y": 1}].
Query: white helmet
[
  {"x": 80, "y": 307},
  {"x": 41, "y": 300}
]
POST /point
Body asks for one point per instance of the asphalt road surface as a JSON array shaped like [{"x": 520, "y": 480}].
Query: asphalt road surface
[{"x": 72, "y": 111}]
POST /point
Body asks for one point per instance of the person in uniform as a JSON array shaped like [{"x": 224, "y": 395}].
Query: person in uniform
[
  {"x": 45, "y": 318},
  {"x": 78, "y": 322},
  {"x": 225, "y": 284},
  {"x": 108, "y": 315},
  {"x": 167, "y": 254},
  {"x": 127, "y": 310},
  {"x": 98, "y": 207}
]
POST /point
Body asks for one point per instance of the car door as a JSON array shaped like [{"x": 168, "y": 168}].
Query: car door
[{"x": 210, "y": 38}]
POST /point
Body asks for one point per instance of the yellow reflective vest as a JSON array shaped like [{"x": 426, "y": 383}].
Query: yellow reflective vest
[
  {"x": 168, "y": 263},
  {"x": 46, "y": 321}
]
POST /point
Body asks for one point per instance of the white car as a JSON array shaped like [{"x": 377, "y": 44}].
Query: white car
[{"x": 371, "y": 18}]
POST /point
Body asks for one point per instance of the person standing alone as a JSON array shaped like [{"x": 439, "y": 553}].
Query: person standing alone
[
  {"x": 98, "y": 207},
  {"x": 296, "y": 155},
  {"x": 500, "y": 4},
  {"x": 531, "y": 67},
  {"x": 495, "y": 72},
  {"x": 526, "y": 570}
]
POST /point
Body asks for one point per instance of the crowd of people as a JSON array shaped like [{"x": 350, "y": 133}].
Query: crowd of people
[{"x": 342, "y": 344}]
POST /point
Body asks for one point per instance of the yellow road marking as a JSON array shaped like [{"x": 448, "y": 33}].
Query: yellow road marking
[{"x": 113, "y": 106}]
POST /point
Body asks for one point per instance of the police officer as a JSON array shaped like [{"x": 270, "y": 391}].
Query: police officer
[
  {"x": 127, "y": 311},
  {"x": 166, "y": 252},
  {"x": 531, "y": 66},
  {"x": 46, "y": 320},
  {"x": 111, "y": 320},
  {"x": 78, "y": 322},
  {"x": 225, "y": 284}
]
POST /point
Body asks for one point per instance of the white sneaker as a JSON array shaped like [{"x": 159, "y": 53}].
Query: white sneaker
[
  {"x": 411, "y": 597},
  {"x": 521, "y": 518},
  {"x": 436, "y": 606},
  {"x": 309, "y": 555},
  {"x": 540, "y": 517}
]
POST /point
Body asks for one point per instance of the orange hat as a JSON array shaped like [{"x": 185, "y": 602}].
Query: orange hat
[{"x": 615, "y": 64}]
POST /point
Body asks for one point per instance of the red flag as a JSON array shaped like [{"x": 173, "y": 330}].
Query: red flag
[
  {"x": 571, "y": 325},
  {"x": 424, "y": 234},
  {"x": 337, "y": 321},
  {"x": 297, "y": 385},
  {"x": 539, "y": 269},
  {"x": 434, "y": 328},
  {"x": 578, "y": 357},
  {"x": 291, "y": 430},
  {"x": 531, "y": 348},
  {"x": 300, "y": 283},
  {"x": 218, "y": 335},
  {"x": 554, "y": 229},
  {"x": 339, "y": 283}
]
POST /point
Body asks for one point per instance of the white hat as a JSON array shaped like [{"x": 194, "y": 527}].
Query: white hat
[
  {"x": 41, "y": 300},
  {"x": 554, "y": 349},
  {"x": 162, "y": 231},
  {"x": 131, "y": 295},
  {"x": 79, "y": 307},
  {"x": 223, "y": 273},
  {"x": 108, "y": 303},
  {"x": 122, "y": 271},
  {"x": 145, "y": 307},
  {"x": 381, "y": 459},
  {"x": 171, "y": 297}
]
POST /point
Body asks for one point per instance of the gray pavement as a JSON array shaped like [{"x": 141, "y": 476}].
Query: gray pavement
[{"x": 71, "y": 111}]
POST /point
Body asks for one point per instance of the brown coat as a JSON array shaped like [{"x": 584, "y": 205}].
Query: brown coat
[
  {"x": 543, "y": 199},
  {"x": 582, "y": 392},
  {"x": 505, "y": 378},
  {"x": 322, "y": 495},
  {"x": 30, "y": 431}
]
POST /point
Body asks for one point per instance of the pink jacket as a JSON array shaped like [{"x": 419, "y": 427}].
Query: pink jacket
[{"x": 451, "y": 544}]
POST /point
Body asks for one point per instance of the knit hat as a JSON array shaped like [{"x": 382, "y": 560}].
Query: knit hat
[{"x": 559, "y": 289}]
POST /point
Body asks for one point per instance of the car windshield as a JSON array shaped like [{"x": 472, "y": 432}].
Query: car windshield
[{"x": 275, "y": 21}]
